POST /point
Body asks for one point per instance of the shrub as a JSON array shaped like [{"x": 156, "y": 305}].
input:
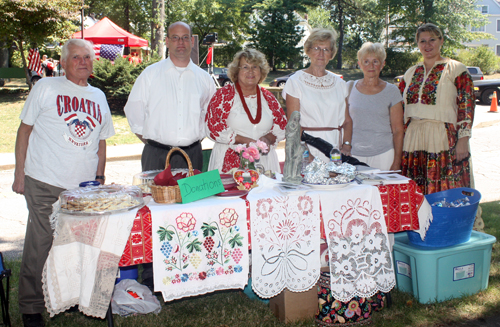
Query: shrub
[
  {"x": 116, "y": 79},
  {"x": 398, "y": 61},
  {"x": 482, "y": 57}
]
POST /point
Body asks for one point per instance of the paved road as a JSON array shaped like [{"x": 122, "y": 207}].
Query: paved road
[{"x": 485, "y": 146}]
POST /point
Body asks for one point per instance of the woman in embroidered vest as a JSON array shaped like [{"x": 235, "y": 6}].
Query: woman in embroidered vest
[
  {"x": 244, "y": 112},
  {"x": 439, "y": 104},
  {"x": 320, "y": 95},
  {"x": 376, "y": 110}
]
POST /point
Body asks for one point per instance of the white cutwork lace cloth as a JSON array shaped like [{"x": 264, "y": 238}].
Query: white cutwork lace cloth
[
  {"x": 199, "y": 247},
  {"x": 83, "y": 262},
  {"x": 285, "y": 240},
  {"x": 360, "y": 257}
]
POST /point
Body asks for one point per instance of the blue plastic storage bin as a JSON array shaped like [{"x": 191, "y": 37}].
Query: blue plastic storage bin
[
  {"x": 436, "y": 275},
  {"x": 130, "y": 272},
  {"x": 450, "y": 226}
]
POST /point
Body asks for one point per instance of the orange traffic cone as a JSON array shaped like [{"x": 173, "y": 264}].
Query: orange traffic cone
[{"x": 494, "y": 103}]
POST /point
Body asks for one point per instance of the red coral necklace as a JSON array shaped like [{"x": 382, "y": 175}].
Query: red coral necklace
[{"x": 244, "y": 103}]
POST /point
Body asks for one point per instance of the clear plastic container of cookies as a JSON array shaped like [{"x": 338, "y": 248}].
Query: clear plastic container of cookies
[
  {"x": 103, "y": 199},
  {"x": 145, "y": 179}
]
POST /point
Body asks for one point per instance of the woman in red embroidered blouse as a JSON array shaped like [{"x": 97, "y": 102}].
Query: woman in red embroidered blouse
[
  {"x": 244, "y": 112},
  {"x": 439, "y": 104}
]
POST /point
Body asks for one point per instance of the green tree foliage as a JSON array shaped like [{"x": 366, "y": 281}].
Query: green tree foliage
[
  {"x": 30, "y": 23},
  {"x": 482, "y": 57},
  {"x": 454, "y": 17},
  {"x": 275, "y": 31},
  {"x": 399, "y": 60},
  {"x": 116, "y": 79}
]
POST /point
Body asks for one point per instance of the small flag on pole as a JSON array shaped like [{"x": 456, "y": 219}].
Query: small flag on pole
[{"x": 34, "y": 62}]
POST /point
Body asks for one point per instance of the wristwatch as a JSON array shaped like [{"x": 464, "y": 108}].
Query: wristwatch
[
  {"x": 347, "y": 143},
  {"x": 100, "y": 177}
]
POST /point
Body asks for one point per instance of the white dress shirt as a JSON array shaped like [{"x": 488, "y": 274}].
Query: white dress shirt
[{"x": 168, "y": 105}]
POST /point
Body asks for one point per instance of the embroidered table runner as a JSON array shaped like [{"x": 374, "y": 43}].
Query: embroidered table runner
[
  {"x": 199, "y": 247},
  {"x": 360, "y": 258},
  {"x": 285, "y": 240},
  {"x": 83, "y": 262},
  {"x": 405, "y": 207},
  {"x": 139, "y": 247}
]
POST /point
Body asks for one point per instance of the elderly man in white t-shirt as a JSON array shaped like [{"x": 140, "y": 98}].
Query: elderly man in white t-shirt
[
  {"x": 166, "y": 108},
  {"x": 60, "y": 143}
]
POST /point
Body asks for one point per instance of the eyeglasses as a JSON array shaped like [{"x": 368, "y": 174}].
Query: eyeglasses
[
  {"x": 326, "y": 51},
  {"x": 367, "y": 62},
  {"x": 176, "y": 38},
  {"x": 247, "y": 68}
]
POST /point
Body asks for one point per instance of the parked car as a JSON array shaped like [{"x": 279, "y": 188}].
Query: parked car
[
  {"x": 281, "y": 81},
  {"x": 475, "y": 73},
  {"x": 483, "y": 90},
  {"x": 220, "y": 75}
]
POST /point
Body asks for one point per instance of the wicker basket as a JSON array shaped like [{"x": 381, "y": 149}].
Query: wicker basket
[{"x": 170, "y": 194}]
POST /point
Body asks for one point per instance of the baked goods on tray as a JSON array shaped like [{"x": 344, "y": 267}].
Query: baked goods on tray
[{"x": 101, "y": 199}]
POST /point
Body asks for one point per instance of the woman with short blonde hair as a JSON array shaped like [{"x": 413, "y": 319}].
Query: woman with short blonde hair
[
  {"x": 377, "y": 113},
  {"x": 320, "y": 95},
  {"x": 251, "y": 56}
]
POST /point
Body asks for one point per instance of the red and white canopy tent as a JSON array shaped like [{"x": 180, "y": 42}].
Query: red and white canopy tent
[{"x": 107, "y": 32}]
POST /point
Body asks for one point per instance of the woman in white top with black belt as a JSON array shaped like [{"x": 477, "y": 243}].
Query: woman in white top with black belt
[{"x": 320, "y": 95}]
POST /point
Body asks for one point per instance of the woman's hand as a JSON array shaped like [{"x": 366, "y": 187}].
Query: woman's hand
[
  {"x": 462, "y": 148},
  {"x": 269, "y": 139},
  {"x": 346, "y": 149}
]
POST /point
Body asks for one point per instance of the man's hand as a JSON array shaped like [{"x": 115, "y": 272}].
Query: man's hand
[{"x": 18, "y": 185}]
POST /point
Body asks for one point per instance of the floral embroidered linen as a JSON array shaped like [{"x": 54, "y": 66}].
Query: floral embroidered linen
[
  {"x": 83, "y": 262},
  {"x": 360, "y": 257},
  {"x": 139, "y": 244},
  {"x": 285, "y": 240},
  {"x": 439, "y": 110},
  {"x": 199, "y": 247}
]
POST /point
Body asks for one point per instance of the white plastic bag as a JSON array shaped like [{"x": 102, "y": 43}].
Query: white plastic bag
[{"x": 130, "y": 298}]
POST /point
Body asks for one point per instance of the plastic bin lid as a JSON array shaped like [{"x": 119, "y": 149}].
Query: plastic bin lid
[{"x": 478, "y": 238}]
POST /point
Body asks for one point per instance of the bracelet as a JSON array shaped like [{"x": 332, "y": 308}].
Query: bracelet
[
  {"x": 101, "y": 177},
  {"x": 347, "y": 143}
]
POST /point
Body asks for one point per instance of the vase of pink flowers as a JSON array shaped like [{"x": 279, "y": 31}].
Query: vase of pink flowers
[{"x": 247, "y": 173}]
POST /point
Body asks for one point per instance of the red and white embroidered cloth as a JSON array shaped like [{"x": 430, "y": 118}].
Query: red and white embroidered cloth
[
  {"x": 401, "y": 203},
  {"x": 139, "y": 247},
  {"x": 199, "y": 247},
  {"x": 360, "y": 256},
  {"x": 285, "y": 240}
]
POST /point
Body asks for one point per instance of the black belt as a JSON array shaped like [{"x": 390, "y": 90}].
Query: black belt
[{"x": 169, "y": 147}]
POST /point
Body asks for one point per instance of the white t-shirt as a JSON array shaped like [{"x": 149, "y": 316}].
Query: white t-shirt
[
  {"x": 68, "y": 122},
  {"x": 322, "y": 104},
  {"x": 168, "y": 105}
]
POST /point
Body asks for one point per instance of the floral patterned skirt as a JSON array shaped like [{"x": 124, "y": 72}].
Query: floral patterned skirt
[
  {"x": 356, "y": 312},
  {"x": 429, "y": 156}
]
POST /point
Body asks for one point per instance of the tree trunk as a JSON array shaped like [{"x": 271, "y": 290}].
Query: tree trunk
[
  {"x": 126, "y": 13},
  {"x": 341, "y": 34},
  {"x": 154, "y": 26},
  {"x": 161, "y": 43},
  {"x": 19, "y": 44}
]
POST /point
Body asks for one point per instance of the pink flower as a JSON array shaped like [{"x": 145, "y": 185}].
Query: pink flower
[
  {"x": 262, "y": 146},
  {"x": 228, "y": 217},
  {"x": 251, "y": 154},
  {"x": 185, "y": 222},
  {"x": 239, "y": 148}
]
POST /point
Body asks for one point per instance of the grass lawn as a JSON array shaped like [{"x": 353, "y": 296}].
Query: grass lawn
[{"x": 233, "y": 308}]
